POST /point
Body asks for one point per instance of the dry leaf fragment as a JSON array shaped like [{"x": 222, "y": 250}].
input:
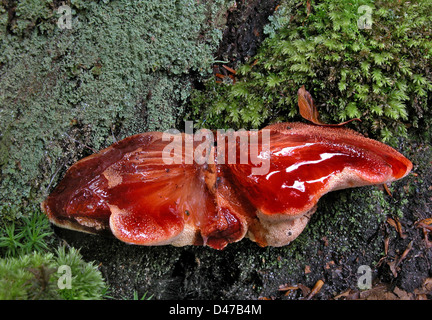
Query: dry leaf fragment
[
  {"x": 316, "y": 288},
  {"x": 383, "y": 291},
  {"x": 307, "y": 107},
  {"x": 394, "y": 265},
  {"x": 329, "y": 264},
  {"x": 286, "y": 287},
  {"x": 427, "y": 221},
  {"x": 426, "y": 287},
  {"x": 426, "y": 238},
  {"x": 349, "y": 294},
  {"x": 386, "y": 245},
  {"x": 309, "y": 111},
  {"x": 386, "y": 188},
  {"x": 305, "y": 290},
  {"x": 403, "y": 295},
  {"x": 308, "y": 7},
  {"x": 325, "y": 240},
  {"x": 426, "y": 225},
  {"x": 379, "y": 292},
  {"x": 307, "y": 269},
  {"x": 229, "y": 69},
  {"x": 394, "y": 222},
  {"x": 405, "y": 253}
]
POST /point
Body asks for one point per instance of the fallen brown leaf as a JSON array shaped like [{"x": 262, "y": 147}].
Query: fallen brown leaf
[
  {"x": 288, "y": 288},
  {"x": 309, "y": 111},
  {"x": 305, "y": 290},
  {"x": 403, "y": 295},
  {"x": 393, "y": 267},
  {"x": 307, "y": 107},
  {"x": 384, "y": 291},
  {"x": 425, "y": 289},
  {"x": 349, "y": 294},
  {"x": 308, "y": 7},
  {"x": 265, "y": 298},
  {"x": 379, "y": 292},
  {"x": 425, "y": 223}
]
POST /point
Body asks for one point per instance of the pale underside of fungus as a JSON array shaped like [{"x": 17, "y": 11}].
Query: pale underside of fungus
[{"x": 143, "y": 195}]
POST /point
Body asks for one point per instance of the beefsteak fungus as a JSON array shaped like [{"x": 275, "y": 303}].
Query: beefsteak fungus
[{"x": 139, "y": 191}]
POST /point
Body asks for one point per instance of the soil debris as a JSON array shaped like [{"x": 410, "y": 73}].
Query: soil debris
[{"x": 385, "y": 291}]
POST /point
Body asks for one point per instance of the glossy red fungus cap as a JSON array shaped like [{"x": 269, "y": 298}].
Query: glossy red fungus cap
[{"x": 130, "y": 190}]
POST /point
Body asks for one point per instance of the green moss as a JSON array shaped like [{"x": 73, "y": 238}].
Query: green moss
[
  {"x": 380, "y": 74},
  {"x": 125, "y": 67},
  {"x": 37, "y": 276},
  {"x": 29, "y": 271},
  {"x": 25, "y": 235},
  {"x": 27, "y": 277},
  {"x": 86, "y": 281}
]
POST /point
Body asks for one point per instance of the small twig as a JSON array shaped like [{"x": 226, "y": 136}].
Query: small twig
[
  {"x": 397, "y": 225},
  {"x": 53, "y": 176},
  {"x": 405, "y": 253},
  {"x": 83, "y": 144},
  {"x": 112, "y": 133}
]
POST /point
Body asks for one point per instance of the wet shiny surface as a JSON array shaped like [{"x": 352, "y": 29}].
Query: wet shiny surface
[
  {"x": 298, "y": 173},
  {"x": 129, "y": 189},
  {"x": 302, "y": 165}
]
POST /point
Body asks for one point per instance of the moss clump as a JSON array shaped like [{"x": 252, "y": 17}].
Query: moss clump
[
  {"x": 381, "y": 75},
  {"x": 124, "y": 67},
  {"x": 28, "y": 270},
  {"x": 86, "y": 283},
  {"x": 25, "y": 235},
  {"x": 37, "y": 276},
  {"x": 27, "y": 277}
]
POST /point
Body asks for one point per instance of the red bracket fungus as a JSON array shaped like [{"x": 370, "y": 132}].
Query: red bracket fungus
[{"x": 129, "y": 190}]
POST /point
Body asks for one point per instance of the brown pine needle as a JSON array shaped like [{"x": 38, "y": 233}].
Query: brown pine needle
[
  {"x": 229, "y": 69},
  {"x": 387, "y": 189},
  {"x": 316, "y": 288}
]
